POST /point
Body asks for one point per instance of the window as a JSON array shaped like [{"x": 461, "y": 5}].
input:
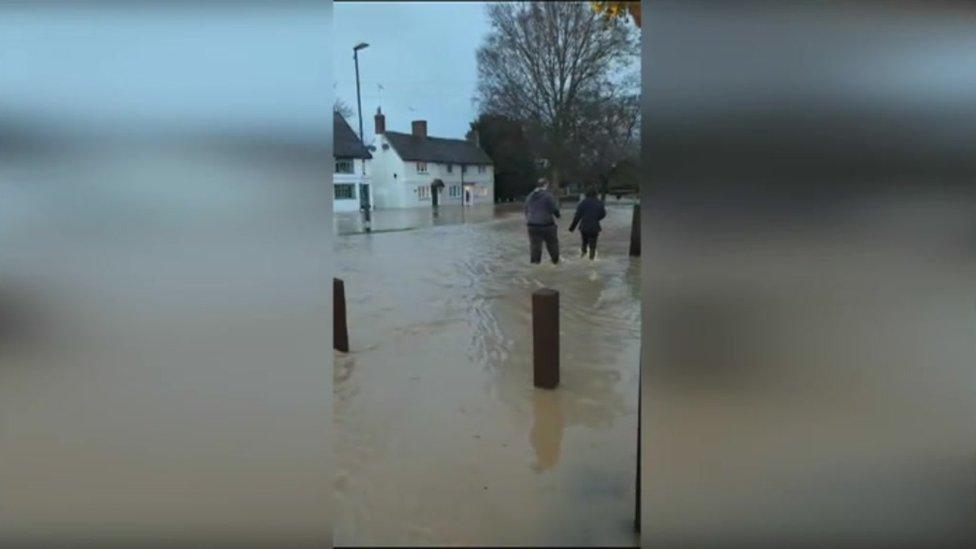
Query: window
[
  {"x": 464, "y": 169},
  {"x": 344, "y": 166},
  {"x": 345, "y": 192},
  {"x": 481, "y": 169},
  {"x": 421, "y": 167},
  {"x": 450, "y": 168},
  {"x": 423, "y": 192}
]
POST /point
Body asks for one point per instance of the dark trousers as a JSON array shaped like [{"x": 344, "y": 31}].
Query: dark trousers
[
  {"x": 589, "y": 243},
  {"x": 538, "y": 235}
]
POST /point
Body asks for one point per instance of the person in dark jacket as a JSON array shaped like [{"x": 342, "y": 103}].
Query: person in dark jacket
[
  {"x": 589, "y": 212},
  {"x": 541, "y": 211}
]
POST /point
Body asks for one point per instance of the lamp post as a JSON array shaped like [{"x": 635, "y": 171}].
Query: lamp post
[
  {"x": 462, "y": 192},
  {"x": 363, "y": 200}
]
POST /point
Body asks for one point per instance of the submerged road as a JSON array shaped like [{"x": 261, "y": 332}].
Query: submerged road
[{"x": 440, "y": 436}]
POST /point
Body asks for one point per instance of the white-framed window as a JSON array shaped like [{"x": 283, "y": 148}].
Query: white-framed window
[
  {"x": 345, "y": 192},
  {"x": 421, "y": 167},
  {"x": 481, "y": 169},
  {"x": 344, "y": 165},
  {"x": 483, "y": 191},
  {"x": 423, "y": 192},
  {"x": 464, "y": 168},
  {"x": 450, "y": 168}
]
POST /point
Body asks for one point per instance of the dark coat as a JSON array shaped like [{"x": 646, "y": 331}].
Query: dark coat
[
  {"x": 589, "y": 212},
  {"x": 541, "y": 207}
]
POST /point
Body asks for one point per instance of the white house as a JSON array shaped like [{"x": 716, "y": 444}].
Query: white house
[
  {"x": 351, "y": 180},
  {"x": 412, "y": 170}
]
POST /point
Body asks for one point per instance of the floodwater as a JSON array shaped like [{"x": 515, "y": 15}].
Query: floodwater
[{"x": 441, "y": 437}]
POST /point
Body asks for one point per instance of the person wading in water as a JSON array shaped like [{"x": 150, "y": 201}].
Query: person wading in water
[
  {"x": 588, "y": 215},
  {"x": 541, "y": 211}
]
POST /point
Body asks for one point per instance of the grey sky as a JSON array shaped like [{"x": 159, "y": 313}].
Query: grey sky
[{"x": 422, "y": 53}]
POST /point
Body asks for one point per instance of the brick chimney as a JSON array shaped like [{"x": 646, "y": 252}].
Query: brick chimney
[
  {"x": 380, "y": 121},
  {"x": 419, "y": 128}
]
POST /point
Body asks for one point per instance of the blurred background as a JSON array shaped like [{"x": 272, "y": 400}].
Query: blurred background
[
  {"x": 164, "y": 272},
  {"x": 810, "y": 250}
]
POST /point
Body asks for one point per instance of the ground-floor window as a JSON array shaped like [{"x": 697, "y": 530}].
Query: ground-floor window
[
  {"x": 344, "y": 191},
  {"x": 455, "y": 191},
  {"x": 423, "y": 192}
]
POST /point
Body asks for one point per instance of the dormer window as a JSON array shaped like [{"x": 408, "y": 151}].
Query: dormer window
[{"x": 421, "y": 167}]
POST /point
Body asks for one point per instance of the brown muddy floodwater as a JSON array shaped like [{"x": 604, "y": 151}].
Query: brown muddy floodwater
[{"x": 440, "y": 436}]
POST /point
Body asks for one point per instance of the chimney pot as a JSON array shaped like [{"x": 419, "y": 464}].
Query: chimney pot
[{"x": 419, "y": 128}]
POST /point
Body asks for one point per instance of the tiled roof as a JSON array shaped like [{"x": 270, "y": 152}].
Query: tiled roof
[
  {"x": 345, "y": 144},
  {"x": 437, "y": 149}
]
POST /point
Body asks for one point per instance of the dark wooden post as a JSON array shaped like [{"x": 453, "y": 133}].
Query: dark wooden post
[
  {"x": 635, "y": 232},
  {"x": 545, "y": 338},
  {"x": 637, "y": 513},
  {"x": 340, "y": 330}
]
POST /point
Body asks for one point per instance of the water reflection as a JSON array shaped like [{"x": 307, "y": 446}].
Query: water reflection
[
  {"x": 547, "y": 430},
  {"x": 401, "y": 219}
]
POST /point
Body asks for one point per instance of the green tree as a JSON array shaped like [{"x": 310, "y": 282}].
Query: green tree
[{"x": 505, "y": 142}]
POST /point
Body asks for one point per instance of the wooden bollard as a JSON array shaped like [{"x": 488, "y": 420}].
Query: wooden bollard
[
  {"x": 340, "y": 330},
  {"x": 635, "y": 232},
  {"x": 637, "y": 511},
  {"x": 545, "y": 338}
]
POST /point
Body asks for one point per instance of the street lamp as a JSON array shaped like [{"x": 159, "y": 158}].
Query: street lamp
[{"x": 363, "y": 200}]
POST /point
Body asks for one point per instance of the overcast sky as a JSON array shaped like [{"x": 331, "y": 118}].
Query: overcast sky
[{"x": 422, "y": 53}]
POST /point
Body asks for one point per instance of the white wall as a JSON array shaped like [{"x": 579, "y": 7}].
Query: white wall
[
  {"x": 402, "y": 191},
  {"x": 359, "y": 176},
  {"x": 386, "y": 189}
]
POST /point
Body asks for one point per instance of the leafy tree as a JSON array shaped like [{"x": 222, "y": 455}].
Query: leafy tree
[
  {"x": 505, "y": 142},
  {"x": 614, "y": 10}
]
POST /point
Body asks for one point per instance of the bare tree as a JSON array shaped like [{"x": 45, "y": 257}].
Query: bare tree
[
  {"x": 610, "y": 134},
  {"x": 342, "y": 108},
  {"x": 546, "y": 64}
]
